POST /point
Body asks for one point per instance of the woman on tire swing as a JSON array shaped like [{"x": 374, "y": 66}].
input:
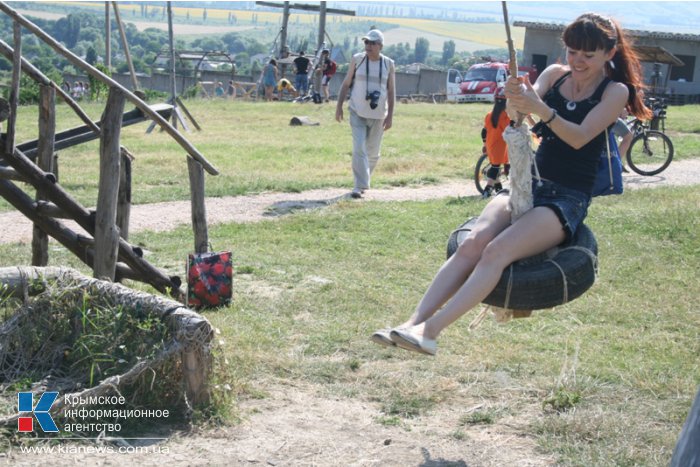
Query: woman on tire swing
[{"x": 576, "y": 102}]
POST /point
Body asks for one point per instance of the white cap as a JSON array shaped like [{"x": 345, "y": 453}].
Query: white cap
[{"x": 375, "y": 35}]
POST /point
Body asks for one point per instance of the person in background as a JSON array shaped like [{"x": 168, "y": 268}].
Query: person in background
[
  {"x": 285, "y": 85},
  {"x": 371, "y": 82},
  {"x": 301, "y": 80},
  {"x": 231, "y": 90},
  {"x": 576, "y": 103},
  {"x": 495, "y": 147},
  {"x": 219, "y": 91},
  {"x": 329, "y": 68},
  {"x": 622, "y": 131},
  {"x": 268, "y": 76}
]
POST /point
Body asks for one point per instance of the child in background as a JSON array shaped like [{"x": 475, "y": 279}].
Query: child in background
[{"x": 495, "y": 147}]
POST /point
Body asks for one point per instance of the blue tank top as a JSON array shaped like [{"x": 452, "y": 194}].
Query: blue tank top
[{"x": 559, "y": 162}]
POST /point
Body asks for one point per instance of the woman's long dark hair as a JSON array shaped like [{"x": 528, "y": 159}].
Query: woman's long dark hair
[
  {"x": 499, "y": 106},
  {"x": 591, "y": 32}
]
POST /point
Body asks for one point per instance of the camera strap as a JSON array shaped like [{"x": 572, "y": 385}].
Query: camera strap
[{"x": 381, "y": 66}]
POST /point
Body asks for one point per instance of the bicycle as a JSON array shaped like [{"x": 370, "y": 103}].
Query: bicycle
[
  {"x": 650, "y": 151},
  {"x": 482, "y": 167}
]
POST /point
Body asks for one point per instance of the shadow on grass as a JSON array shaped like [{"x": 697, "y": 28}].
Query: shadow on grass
[{"x": 282, "y": 208}]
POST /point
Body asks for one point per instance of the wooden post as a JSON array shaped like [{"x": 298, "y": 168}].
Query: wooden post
[
  {"x": 199, "y": 210},
  {"x": 171, "y": 44},
  {"x": 40, "y": 78},
  {"x": 124, "y": 196},
  {"x": 92, "y": 71},
  {"x": 14, "y": 90},
  {"x": 47, "y": 130},
  {"x": 321, "y": 26},
  {"x": 108, "y": 38},
  {"x": 125, "y": 46},
  {"x": 106, "y": 232}
]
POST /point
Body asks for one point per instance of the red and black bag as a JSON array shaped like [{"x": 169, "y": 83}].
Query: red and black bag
[{"x": 209, "y": 279}]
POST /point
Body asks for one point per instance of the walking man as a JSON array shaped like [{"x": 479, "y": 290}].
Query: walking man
[{"x": 371, "y": 83}]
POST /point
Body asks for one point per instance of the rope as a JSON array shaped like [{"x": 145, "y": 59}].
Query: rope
[{"x": 565, "y": 292}]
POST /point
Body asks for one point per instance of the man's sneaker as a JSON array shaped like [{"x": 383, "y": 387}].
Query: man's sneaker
[
  {"x": 497, "y": 187},
  {"x": 356, "y": 193},
  {"x": 487, "y": 192}
]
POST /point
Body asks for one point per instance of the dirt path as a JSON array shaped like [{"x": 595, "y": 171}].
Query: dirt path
[{"x": 254, "y": 208}]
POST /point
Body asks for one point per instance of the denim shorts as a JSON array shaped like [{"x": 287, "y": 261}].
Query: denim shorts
[{"x": 570, "y": 206}]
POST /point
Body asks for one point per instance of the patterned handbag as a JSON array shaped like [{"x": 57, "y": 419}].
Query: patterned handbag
[{"x": 209, "y": 279}]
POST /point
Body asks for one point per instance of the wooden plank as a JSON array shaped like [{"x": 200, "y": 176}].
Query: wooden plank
[
  {"x": 40, "y": 78},
  {"x": 92, "y": 71},
  {"x": 124, "y": 196},
  {"x": 125, "y": 46},
  {"x": 143, "y": 271},
  {"x": 14, "y": 89},
  {"x": 7, "y": 173},
  {"x": 106, "y": 231},
  {"x": 47, "y": 131},
  {"x": 199, "y": 210}
]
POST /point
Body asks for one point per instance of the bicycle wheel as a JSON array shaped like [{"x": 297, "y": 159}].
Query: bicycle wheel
[
  {"x": 650, "y": 153},
  {"x": 482, "y": 166}
]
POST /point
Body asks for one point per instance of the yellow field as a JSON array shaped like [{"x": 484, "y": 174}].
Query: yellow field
[{"x": 484, "y": 33}]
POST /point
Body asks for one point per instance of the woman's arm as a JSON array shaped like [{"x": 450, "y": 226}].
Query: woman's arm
[{"x": 529, "y": 101}]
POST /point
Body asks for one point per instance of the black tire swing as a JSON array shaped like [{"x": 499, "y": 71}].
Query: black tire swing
[
  {"x": 556, "y": 277},
  {"x": 552, "y": 278}
]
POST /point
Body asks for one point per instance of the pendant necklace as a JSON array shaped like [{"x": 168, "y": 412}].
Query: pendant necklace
[{"x": 571, "y": 105}]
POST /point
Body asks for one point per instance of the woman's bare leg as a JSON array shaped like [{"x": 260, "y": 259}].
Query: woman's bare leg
[
  {"x": 535, "y": 232},
  {"x": 454, "y": 272}
]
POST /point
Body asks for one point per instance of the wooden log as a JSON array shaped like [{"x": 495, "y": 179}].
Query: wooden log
[
  {"x": 181, "y": 105},
  {"x": 40, "y": 78},
  {"x": 199, "y": 210},
  {"x": 131, "y": 97},
  {"x": 106, "y": 232},
  {"x": 125, "y": 46},
  {"x": 48, "y": 209},
  {"x": 144, "y": 271},
  {"x": 193, "y": 332},
  {"x": 687, "y": 451},
  {"x": 47, "y": 132},
  {"x": 79, "y": 245},
  {"x": 4, "y": 109},
  {"x": 14, "y": 89},
  {"x": 124, "y": 195},
  {"x": 7, "y": 173},
  {"x": 108, "y": 42}
]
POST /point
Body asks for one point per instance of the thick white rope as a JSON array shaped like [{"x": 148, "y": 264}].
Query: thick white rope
[{"x": 521, "y": 158}]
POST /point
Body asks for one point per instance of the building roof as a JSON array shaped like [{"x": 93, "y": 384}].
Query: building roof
[
  {"x": 647, "y": 53},
  {"x": 631, "y": 32}
]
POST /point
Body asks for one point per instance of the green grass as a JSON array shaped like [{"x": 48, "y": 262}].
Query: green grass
[
  {"x": 605, "y": 380},
  {"x": 255, "y": 149}
]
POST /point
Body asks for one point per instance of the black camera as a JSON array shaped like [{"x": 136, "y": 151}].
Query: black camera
[{"x": 373, "y": 98}]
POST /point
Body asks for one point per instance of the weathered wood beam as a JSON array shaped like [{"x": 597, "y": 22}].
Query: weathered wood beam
[
  {"x": 40, "y": 78},
  {"x": 92, "y": 71},
  {"x": 47, "y": 133},
  {"x": 106, "y": 231},
  {"x": 14, "y": 88}
]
